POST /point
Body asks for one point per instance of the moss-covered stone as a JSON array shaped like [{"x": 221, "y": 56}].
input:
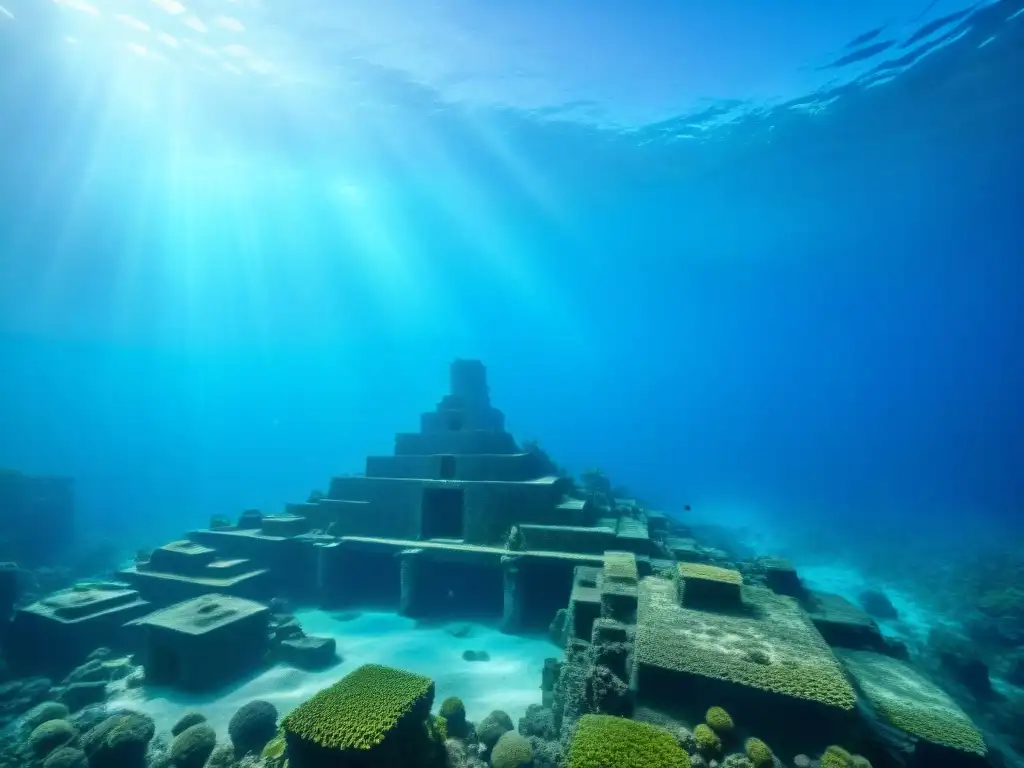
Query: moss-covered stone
[
  {"x": 511, "y": 751},
  {"x": 50, "y": 735},
  {"x": 758, "y": 753},
  {"x": 719, "y": 720}
]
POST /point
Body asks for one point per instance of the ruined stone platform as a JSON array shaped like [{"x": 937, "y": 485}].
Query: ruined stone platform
[
  {"x": 205, "y": 642},
  {"x": 842, "y": 623},
  {"x": 904, "y": 698},
  {"x": 765, "y": 657},
  {"x": 70, "y": 624}
]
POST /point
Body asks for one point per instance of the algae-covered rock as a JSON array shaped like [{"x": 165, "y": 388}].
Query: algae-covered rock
[
  {"x": 48, "y": 710},
  {"x": 252, "y": 726},
  {"x": 65, "y": 757},
  {"x": 187, "y": 721},
  {"x": 119, "y": 741},
  {"x": 511, "y": 751},
  {"x": 192, "y": 746},
  {"x": 491, "y": 728},
  {"x": 50, "y": 735}
]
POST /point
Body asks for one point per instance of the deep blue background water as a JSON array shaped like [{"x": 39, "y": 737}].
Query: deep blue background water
[{"x": 809, "y": 322}]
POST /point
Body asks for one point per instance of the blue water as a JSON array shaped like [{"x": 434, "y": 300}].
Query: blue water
[{"x": 765, "y": 262}]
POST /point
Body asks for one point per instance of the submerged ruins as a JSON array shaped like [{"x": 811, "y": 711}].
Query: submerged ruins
[{"x": 462, "y": 522}]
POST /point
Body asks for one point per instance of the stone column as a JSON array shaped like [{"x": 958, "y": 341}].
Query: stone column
[
  {"x": 512, "y": 613},
  {"x": 411, "y": 563}
]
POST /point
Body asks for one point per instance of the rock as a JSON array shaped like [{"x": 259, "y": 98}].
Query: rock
[
  {"x": 285, "y": 628},
  {"x": 511, "y": 751},
  {"x": 19, "y": 696},
  {"x": 878, "y": 605},
  {"x": 186, "y": 721},
  {"x": 50, "y": 735},
  {"x": 546, "y": 754},
  {"x": 476, "y": 656},
  {"x": 456, "y": 752},
  {"x": 192, "y": 746},
  {"x": 252, "y": 726},
  {"x": 135, "y": 679},
  {"x": 606, "y": 693},
  {"x": 1015, "y": 671},
  {"x": 48, "y": 710},
  {"x": 223, "y": 756},
  {"x": 538, "y": 721},
  {"x": 65, "y": 757},
  {"x": 100, "y": 654},
  {"x": 78, "y": 695},
  {"x": 801, "y": 761},
  {"x": 89, "y": 672},
  {"x": 459, "y": 630},
  {"x": 119, "y": 741},
  {"x": 737, "y": 760},
  {"x": 309, "y": 652},
  {"x": 492, "y": 727},
  {"x": 90, "y": 716},
  {"x": 118, "y": 669}
]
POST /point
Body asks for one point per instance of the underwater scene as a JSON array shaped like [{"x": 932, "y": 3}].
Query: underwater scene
[{"x": 450, "y": 384}]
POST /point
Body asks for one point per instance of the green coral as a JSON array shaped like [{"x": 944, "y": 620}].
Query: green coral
[
  {"x": 710, "y": 573},
  {"x": 707, "y": 740},
  {"x": 360, "y": 710},
  {"x": 719, "y": 720},
  {"x": 453, "y": 711},
  {"x": 511, "y": 751},
  {"x": 605, "y": 741},
  {"x": 836, "y": 757},
  {"x": 758, "y": 753}
]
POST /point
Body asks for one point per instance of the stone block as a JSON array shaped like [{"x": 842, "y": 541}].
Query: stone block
[
  {"x": 308, "y": 652},
  {"x": 632, "y": 536},
  {"x": 684, "y": 549},
  {"x": 584, "y": 602},
  {"x": 71, "y": 624},
  {"x": 183, "y": 557},
  {"x": 285, "y": 526},
  {"x": 842, "y": 623},
  {"x": 567, "y": 538},
  {"x": 768, "y": 656},
  {"x": 903, "y": 698},
  {"x": 709, "y": 588},
  {"x": 618, "y": 600},
  {"x": 205, "y": 642},
  {"x": 620, "y": 567},
  {"x": 250, "y": 519},
  {"x": 781, "y": 577}
]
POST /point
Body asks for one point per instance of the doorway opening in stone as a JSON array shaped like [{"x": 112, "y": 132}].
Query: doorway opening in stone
[
  {"x": 467, "y": 591},
  {"x": 442, "y": 512},
  {"x": 448, "y": 467},
  {"x": 544, "y": 587}
]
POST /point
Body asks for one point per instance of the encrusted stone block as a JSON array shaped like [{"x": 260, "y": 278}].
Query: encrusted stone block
[
  {"x": 585, "y": 601},
  {"x": 309, "y": 652},
  {"x": 184, "y": 557},
  {"x": 781, "y": 577},
  {"x": 204, "y": 642},
  {"x": 284, "y": 525},
  {"x": 709, "y": 588}
]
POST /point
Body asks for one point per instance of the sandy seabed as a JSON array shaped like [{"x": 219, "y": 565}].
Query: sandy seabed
[{"x": 509, "y": 681}]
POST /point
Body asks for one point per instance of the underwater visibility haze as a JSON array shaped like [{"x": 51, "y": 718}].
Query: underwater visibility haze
[{"x": 350, "y": 301}]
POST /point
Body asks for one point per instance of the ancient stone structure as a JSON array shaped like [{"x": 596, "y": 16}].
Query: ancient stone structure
[
  {"x": 204, "y": 642},
  {"x": 69, "y": 625},
  {"x": 36, "y": 518}
]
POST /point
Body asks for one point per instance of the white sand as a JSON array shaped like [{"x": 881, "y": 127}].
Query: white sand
[{"x": 510, "y": 681}]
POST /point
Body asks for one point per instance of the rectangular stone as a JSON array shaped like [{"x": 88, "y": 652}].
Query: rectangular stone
[
  {"x": 842, "y": 623},
  {"x": 708, "y": 587},
  {"x": 584, "y": 601},
  {"x": 621, "y": 567},
  {"x": 184, "y": 557},
  {"x": 285, "y": 526},
  {"x": 567, "y": 538}
]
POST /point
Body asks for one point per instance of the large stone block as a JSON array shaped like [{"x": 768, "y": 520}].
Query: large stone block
[
  {"x": 766, "y": 657},
  {"x": 204, "y": 642},
  {"x": 842, "y": 623},
  {"x": 182, "y": 557},
  {"x": 905, "y": 699},
  {"x": 568, "y": 538},
  {"x": 70, "y": 624},
  {"x": 584, "y": 601},
  {"x": 461, "y": 442},
  {"x": 708, "y": 587}
]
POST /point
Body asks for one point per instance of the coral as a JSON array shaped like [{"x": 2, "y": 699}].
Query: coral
[
  {"x": 454, "y": 712},
  {"x": 274, "y": 748},
  {"x": 707, "y": 739},
  {"x": 904, "y": 698},
  {"x": 192, "y": 746},
  {"x": 605, "y": 741},
  {"x": 50, "y": 735},
  {"x": 758, "y": 753},
  {"x": 836, "y": 757},
  {"x": 719, "y": 720},
  {"x": 252, "y": 726},
  {"x": 492, "y": 727},
  {"x": 861, "y": 762},
  {"x": 737, "y": 761},
  {"x": 511, "y": 751},
  {"x": 65, "y": 757},
  {"x": 187, "y": 721},
  {"x": 361, "y": 709},
  {"x": 538, "y": 721},
  {"x": 119, "y": 741}
]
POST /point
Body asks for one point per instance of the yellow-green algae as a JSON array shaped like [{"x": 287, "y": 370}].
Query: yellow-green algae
[
  {"x": 907, "y": 700},
  {"x": 719, "y": 720},
  {"x": 605, "y": 741},
  {"x": 773, "y": 646},
  {"x": 709, "y": 573},
  {"x": 360, "y": 710},
  {"x": 707, "y": 740},
  {"x": 758, "y": 753}
]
